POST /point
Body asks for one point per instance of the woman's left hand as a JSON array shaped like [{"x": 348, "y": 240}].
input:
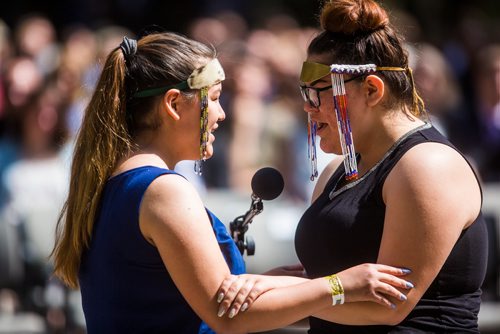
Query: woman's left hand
[{"x": 375, "y": 283}]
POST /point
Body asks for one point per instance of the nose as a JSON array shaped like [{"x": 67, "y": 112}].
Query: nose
[
  {"x": 222, "y": 115},
  {"x": 309, "y": 108}
]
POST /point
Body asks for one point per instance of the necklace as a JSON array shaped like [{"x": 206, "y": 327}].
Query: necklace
[{"x": 334, "y": 193}]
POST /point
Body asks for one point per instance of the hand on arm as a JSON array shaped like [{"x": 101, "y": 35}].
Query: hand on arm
[
  {"x": 366, "y": 282},
  {"x": 238, "y": 292},
  {"x": 375, "y": 283},
  {"x": 179, "y": 227},
  {"x": 173, "y": 219}
]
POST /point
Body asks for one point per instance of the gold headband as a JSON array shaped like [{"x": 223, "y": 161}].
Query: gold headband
[{"x": 314, "y": 71}]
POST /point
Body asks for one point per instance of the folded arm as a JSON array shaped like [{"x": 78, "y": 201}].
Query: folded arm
[
  {"x": 431, "y": 196},
  {"x": 173, "y": 219}
]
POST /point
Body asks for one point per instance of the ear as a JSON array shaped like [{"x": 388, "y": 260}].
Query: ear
[
  {"x": 171, "y": 101},
  {"x": 374, "y": 89}
]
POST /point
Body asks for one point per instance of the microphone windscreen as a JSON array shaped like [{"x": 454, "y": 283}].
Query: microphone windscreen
[{"x": 267, "y": 183}]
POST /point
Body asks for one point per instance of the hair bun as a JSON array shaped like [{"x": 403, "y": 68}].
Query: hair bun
[{"x": 352, "y": 16}]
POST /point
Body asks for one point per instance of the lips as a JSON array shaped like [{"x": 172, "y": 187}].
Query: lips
[
  {"x": 321, "y": 125},
  {"x": 211, "y": 132}
]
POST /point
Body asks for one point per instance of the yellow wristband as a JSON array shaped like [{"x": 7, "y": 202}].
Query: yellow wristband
[{"x": 336, "y": 289}]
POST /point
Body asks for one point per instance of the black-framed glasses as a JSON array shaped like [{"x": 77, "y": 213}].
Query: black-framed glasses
[{"x": 311, "y": 94}]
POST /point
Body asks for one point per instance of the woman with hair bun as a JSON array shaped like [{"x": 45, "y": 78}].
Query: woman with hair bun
[
  {"x": 135, "y": 236},
  {"x": 397, "y": 193}
]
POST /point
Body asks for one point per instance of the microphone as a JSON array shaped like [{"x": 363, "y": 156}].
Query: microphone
[{"x": 267, "y": 184}]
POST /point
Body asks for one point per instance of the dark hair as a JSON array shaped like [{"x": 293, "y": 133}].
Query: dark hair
[{"x": 359, "y": 32}]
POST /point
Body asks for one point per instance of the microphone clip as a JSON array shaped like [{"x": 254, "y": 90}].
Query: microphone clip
[{"x": 239, "y": 226}]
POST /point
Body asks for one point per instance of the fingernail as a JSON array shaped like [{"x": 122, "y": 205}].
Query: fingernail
[
  {"x": 232, "y": 313},
  {"x": 244, "y": 307},
  {"x": 403, "y": 297},
  {"x": 221, "y": 312},
  {"x": 406, "y": 271},
  {"x": 409, "y": 285},
  {"x": 393, "y": 306},
  {"x": 220, "y": 297}
]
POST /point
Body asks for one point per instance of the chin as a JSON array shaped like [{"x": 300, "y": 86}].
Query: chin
[
  {"x": 209, "y": 153},
  {"x": 326, "y": 147},
  {"x": 330, "y": 148}
]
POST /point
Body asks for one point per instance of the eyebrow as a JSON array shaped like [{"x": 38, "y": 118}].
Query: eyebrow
[{"x": 218, "y": 91}]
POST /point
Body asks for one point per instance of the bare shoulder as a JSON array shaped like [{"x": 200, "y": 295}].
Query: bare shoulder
[
  {"x": 170, "y": 200},
  {"x": 435, "y": 162},
  {"x": 435, "y": 174},
  {"x": 172, "y": 186}
]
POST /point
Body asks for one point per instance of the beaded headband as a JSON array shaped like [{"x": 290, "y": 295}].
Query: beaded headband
[
  {"x": 206, "y": 76},
  {"x": 201, "y": 78},
  {"x": 314, "y": 71}
]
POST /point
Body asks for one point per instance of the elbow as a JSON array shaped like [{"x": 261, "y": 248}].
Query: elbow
[
  {"x": 227, "y": 331},
  {"x": 400, "y": 313},
  {"x": 392, "y": 318},
  {"x": 395, "y": 319},
  {"x": 219, "y": 327},
  {"x": 389, "y": 317},
  {"x": 224, "y": 326}
]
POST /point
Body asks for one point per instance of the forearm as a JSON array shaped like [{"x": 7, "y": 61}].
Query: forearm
[
  {"x": 364, "y": 313},
  {"x": 279, "y": 307},
  {"x": 286, "y": 281}
]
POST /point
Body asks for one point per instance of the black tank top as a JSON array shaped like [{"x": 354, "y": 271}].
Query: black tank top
[{"x": 344, "y": 226}]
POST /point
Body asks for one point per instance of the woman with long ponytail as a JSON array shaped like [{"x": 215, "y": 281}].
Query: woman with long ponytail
[{"x": 134, "y": 235}]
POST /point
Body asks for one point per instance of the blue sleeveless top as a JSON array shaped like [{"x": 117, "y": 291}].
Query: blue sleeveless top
[{"x": 125, "y": 286}]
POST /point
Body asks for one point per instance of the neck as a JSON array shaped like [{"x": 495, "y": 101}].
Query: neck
[
  {"x": 381, "y": 138},
  {"x": 136, "y": 159},
  {"x": 150, "y": 150},
  {"x": 166, "y": 144}
]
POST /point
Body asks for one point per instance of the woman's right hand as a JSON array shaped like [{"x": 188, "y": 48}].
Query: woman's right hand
[
  {"x": 374, "y": 283},
  {"x": 238, "y": 292}
]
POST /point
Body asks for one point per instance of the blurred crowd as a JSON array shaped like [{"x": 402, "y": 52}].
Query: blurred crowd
[{"x": 47, "y": 76}]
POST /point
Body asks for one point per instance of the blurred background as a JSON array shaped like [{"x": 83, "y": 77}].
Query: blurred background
[{"x": 51, "y": 53}]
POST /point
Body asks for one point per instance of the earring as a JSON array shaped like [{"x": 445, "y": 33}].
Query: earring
[
  {"x": 203, "y": 129},
  {"x": 344, "y": 126},
  {"x": 311, "y": 151}
]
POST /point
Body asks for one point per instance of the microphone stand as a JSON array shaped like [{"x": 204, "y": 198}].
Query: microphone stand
[{"x": 239, "y": 226}]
